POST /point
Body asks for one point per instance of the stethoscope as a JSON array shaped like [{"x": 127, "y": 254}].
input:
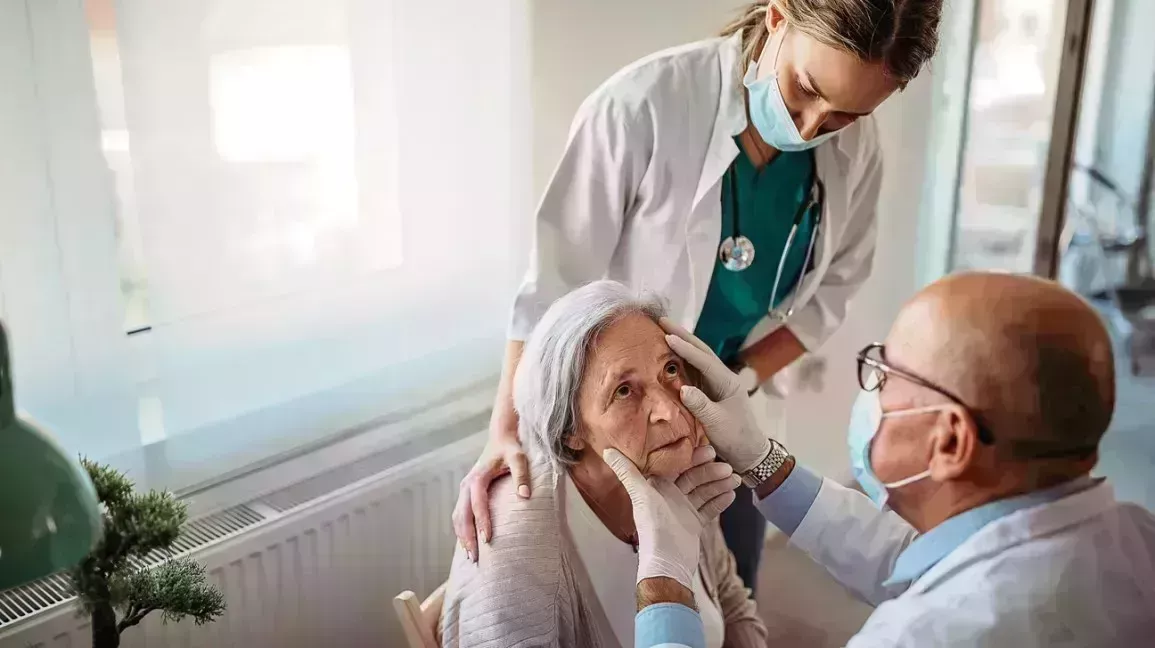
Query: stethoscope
[{"x": 737, "y": 252}]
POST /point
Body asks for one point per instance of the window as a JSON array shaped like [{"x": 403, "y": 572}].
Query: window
[
  {"x": 318, "y": 218},
  {"x": 1090, "y": 220},
  {"x": 1014, "y": 73}
]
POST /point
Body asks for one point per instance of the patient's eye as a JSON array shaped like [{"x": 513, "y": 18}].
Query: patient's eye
[
  {"x": 672, "y": 369},
  {"x": 623, "y": 391}
]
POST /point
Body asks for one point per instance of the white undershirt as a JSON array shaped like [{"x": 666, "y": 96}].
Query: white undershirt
[{"x": 613, "y": 570}]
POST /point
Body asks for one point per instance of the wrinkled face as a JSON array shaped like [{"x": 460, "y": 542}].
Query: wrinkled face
[
  {"x": 629, "y": 400},
  {"x": 825, "y": 89}
]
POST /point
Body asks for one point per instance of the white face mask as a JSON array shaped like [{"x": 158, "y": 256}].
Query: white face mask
[
  {"x": 769, "y": 113},
  {"x": 865, "y": 421}
]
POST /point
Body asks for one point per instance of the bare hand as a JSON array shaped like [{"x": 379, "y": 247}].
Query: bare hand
[{"x": 502, "y": 455}]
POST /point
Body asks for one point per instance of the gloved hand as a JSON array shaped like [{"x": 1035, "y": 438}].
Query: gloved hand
[
  {"x": 724, "y": 410},
  {"x": 708, "y": 484},
  {"x": 669, "y": 526}
]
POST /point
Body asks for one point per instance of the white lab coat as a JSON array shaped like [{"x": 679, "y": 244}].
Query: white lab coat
[
  {"x": 636, "y": 195},
  {"x": 1079, "y": 571}
]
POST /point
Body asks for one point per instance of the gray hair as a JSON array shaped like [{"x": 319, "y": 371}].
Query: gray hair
[{"x": 554, "y": 360}]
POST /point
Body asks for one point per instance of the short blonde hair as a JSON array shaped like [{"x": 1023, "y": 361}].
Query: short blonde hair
[{"x": 901, "y": 34}]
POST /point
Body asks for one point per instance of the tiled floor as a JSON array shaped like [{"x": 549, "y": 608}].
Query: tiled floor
[{"x": 799, "y": 601}]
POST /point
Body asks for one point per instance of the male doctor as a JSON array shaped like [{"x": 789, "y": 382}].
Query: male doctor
[{"x": 973, "y": 438}]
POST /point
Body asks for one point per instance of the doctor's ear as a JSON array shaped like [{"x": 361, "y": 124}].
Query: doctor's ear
[
  {"x": 774, "y": 17},
  {"x": 956, "y": 444}
]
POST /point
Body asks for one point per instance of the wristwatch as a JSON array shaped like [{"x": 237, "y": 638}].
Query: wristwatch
[{"x": 767, "y": 467}]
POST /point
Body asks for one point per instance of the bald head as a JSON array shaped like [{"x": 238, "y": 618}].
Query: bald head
[{"x": 1030, "y": 358}]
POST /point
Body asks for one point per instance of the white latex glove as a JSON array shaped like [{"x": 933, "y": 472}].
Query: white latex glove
[
  {"x": 669, "y": 528},
  {"x": 708, "y": 484},
  {"x": 725, "y": 409}
]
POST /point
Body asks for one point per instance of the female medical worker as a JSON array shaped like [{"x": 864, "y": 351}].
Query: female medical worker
[{"x": 736, "y": 177}]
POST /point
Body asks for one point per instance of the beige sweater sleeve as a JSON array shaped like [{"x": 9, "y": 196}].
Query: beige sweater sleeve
[
  {"x": 517, "y": 594},
  {"x": 744, "y": 628}
]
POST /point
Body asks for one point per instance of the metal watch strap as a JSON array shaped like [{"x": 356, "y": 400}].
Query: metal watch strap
[{"x": 767, "y": 467}]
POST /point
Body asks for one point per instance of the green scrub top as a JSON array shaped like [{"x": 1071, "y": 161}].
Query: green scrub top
[{"x": 767, "y": 203}]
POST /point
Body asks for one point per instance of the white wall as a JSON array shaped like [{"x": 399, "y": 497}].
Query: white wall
[
  {"x": 567, "y": 65},
  {"x": 577, "y": 45}
]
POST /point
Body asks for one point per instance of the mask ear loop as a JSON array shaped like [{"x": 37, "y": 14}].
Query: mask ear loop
[
  {"x": 915, "y": 411},
  {"x": 909, "y": 480},
  {"x": 777, "y": 52},
  {"x": 911, "y": 412}
]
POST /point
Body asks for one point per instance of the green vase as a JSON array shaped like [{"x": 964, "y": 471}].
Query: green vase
[{"x": 49, "y": 514}]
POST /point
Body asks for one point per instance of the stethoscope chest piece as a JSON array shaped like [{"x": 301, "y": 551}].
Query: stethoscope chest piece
[{"x": 736, "y": 253}]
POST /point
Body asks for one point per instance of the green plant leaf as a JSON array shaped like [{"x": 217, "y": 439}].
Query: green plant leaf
[{"x": 135, "y": 525}]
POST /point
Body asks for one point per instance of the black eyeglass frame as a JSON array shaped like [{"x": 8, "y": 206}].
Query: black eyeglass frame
[{"x": 884, "y": 369}]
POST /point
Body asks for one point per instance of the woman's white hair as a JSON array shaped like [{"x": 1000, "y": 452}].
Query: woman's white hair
[{"x": 554, "y": 359}]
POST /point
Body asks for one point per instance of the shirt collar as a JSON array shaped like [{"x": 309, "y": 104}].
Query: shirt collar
[{"x": 929, "y": 548}]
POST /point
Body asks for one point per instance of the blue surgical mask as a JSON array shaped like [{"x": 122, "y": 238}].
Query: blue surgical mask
[
  {"x": 865, "y": 420},
  {"x": 769, "y": 113}
]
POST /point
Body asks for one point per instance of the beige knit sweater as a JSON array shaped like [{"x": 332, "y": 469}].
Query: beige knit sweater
[{"x": 529, "y": 587}]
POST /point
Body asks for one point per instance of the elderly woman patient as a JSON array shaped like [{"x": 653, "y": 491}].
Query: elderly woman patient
[{"x": 561, "y": 567}]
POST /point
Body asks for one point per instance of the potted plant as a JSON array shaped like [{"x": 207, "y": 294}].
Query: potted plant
[{"x": 114, "y": 585}]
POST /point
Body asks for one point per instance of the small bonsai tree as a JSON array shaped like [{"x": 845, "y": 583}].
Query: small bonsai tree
[{"x": 114, "y": 578}]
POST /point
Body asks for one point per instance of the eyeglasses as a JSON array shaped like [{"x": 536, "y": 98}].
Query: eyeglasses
[{"x": 873, "y": 370}]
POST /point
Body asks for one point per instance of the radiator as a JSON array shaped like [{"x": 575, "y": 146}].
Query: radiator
[{"x": 313, "y": 565}]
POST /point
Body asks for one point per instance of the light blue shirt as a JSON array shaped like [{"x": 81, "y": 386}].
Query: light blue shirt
[
  {"x": 668, "y": 625},
  {"x": 791, "y": 501},
  {"x": 928, "y": 549}
]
